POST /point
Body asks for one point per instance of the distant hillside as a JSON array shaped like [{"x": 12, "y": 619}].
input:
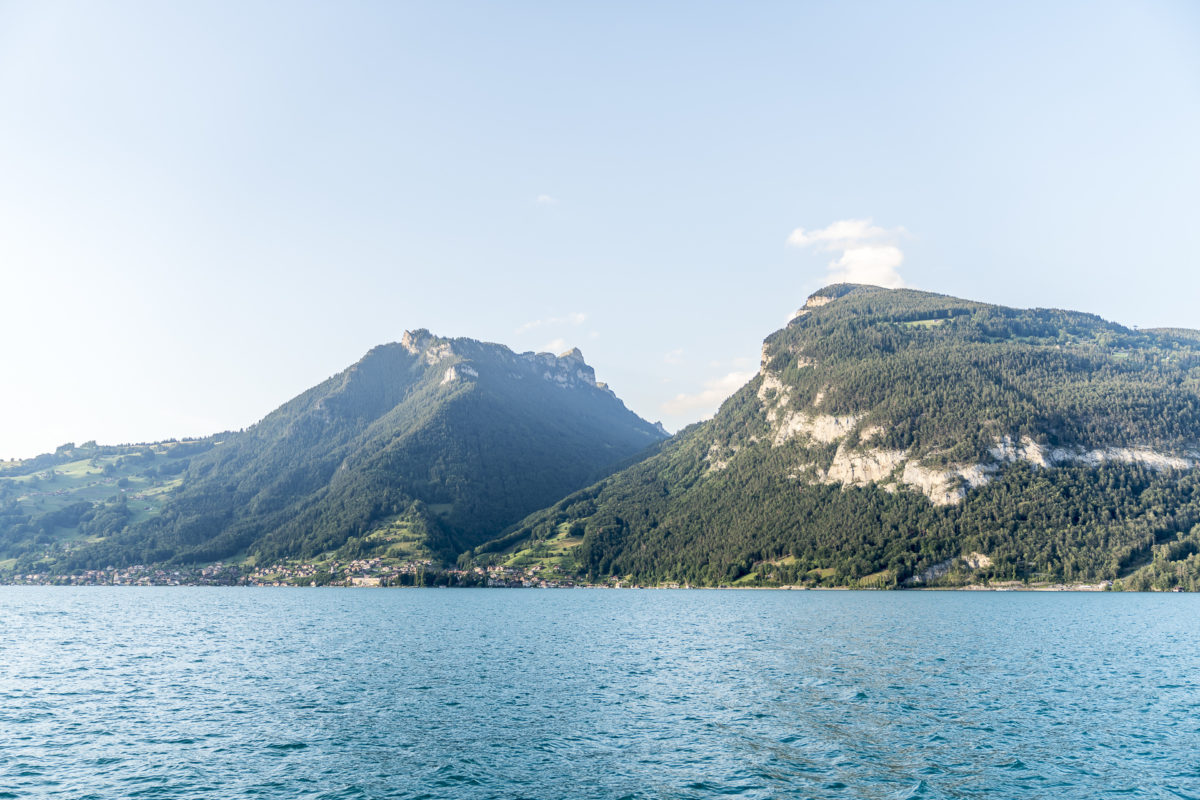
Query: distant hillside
[
  {"x": 81, "y": 494},
  {"x": 423, "y": 448},
  {"x": 896, "y": 437}
]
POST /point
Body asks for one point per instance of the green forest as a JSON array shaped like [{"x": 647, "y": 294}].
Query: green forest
[
  {"x": 450, "y": 440},
  {"x": 892, "y": 438},
  {"x": 941, "y": 380}
]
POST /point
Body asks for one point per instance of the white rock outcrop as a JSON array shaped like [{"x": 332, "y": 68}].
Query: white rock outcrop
[
  {"x": 1006, "y": 451},
  {"x": 565, "y": 370},
  {"x": 949, "y": 485},
  {"x": 824, "y": 428},
  {"x": 457, "y": 371},
  {"x": 812, "y": 302},
  {"x": 977, "y": 560},
  {"x": 860, "y": 467},
  {"x": 894, "y": 469},
  {"x": 422, "y": 343},
  {"x": 970, "y": 560},
  {"x": 787, "y": 423},
  {"x": 772, "y": 394},
  {"x": 941, "y": 487},
  {"x": 437, "y": 353},
  {"x": 869, "y": 433},
  {"x": 715, "y": 462},
  {"x": 414, "y": 341},
  {"x": 1026, "y": 450}
]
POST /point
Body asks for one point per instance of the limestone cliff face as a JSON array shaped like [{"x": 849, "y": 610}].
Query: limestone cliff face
[
  {"x": 566, "y": 370},
  {"x": 861, "y": 464},
  {"x": 857, "y": 462},
  {"x": 896, "y": 435}
]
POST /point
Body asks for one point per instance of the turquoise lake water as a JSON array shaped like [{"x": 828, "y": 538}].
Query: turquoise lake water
[{"x": 345, "y": 693}]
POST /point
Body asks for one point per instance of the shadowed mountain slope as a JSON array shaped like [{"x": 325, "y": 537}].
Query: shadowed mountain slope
[{"x": 439, "y": 442}]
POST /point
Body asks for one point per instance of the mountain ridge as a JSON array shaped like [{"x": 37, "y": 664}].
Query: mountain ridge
[
  {"x": 890, "y": 430},
  {"x": 889, "y": 438},
  {"x": 441, "y": 440}
]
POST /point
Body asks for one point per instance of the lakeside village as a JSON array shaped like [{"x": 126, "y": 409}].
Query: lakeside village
[{"x": 361, "y": 573}]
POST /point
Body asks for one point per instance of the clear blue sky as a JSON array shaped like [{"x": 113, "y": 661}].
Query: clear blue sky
[{"x": 206, "y": 208}]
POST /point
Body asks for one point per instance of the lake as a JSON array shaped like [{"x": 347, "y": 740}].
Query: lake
[{"x": 358, "y": 693}]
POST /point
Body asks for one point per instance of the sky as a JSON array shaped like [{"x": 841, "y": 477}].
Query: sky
[{"x": 206, "y": 208}]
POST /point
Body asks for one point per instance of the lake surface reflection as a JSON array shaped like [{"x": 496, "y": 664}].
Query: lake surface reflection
[{"x": 343, "y": 693}]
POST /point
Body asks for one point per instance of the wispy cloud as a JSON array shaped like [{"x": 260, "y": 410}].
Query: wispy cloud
[
  {"x": 574, "y": 318},
  {"x": 740, "y": 362},
  {"x": 867, "y": 253},
  {"x": 674, "y": 356},
  {"x": 712, "y": 395},
  {"x": 554, "y": 346},
  {"x": 546, "y": 200}
]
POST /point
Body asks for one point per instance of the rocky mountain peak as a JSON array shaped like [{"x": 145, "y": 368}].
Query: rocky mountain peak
[
  {"x": 415, "y": 341},
  {"x": 574, "y": 354}
]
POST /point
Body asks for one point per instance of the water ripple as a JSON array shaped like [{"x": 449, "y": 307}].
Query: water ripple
[{"x": 203, "y": 693}]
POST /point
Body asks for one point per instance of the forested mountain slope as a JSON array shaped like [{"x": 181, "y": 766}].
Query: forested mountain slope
[
  {"x": 896, "y": 437},
  {"x": 438, "y": 443}
]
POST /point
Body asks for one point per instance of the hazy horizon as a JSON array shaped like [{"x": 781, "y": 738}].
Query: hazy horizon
[{"x": 209, "y": 209}]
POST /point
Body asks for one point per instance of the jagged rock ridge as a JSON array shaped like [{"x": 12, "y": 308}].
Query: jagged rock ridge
[{"x": 431, "y": 444}]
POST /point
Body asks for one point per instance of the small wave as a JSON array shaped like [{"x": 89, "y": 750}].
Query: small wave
[
  {"x": 1180, "y": 794},
  {"x": 918, "y": 789}
]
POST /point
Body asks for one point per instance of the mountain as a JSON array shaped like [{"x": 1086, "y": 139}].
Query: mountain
[
  {"x": 897, "y": 437},
  {"x": 423, "y": 448}
]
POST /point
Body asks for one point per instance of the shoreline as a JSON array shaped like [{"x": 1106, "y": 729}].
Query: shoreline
[{"x": 1073, "y": 588}]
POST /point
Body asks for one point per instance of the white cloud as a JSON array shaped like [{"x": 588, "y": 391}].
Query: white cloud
[
  {"x": 546, "y": 200},
  {"x": 841, "y": 233},
  {"x": 554, "y": 346},
  {"x": 873, "y": 264},
  {"x": 673, "y": 357},
  {"x": 736, "y": 363},
  {"x": 710, "y": 397},
  {"x": 868, "y": 253},
  {"x": 574, "y": 318}
]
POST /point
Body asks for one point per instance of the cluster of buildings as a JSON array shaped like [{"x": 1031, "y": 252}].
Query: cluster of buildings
[
  {"x": 530, "y": 577},
  {"x": 137, "y": 575},
  {"x": 380, "y": 572},
  {"x": 361, "y": 572},
  {"x": 284, "y": 575}
]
